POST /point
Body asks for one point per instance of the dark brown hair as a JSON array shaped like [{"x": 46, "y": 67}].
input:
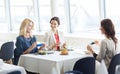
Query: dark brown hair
[
  {"x": 56, "y": 19},
  {"x": 108, "y": 26}
]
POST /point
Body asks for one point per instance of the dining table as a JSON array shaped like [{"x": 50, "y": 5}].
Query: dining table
[{"x": 51, "y": 63}]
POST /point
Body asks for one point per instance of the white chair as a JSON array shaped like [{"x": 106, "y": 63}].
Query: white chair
[
  {"x": 101, "y": 68},
  {"x": 117, "y": 71}
]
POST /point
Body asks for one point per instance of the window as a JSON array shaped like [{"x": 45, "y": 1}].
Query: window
[
  {"x": 113, "y": 12},
  {"x": 20, "y": 9},
  {"x": 50, "y": 8},
  {"x": 3, "y": 21},
  {"x": 44, "y": 14},
  {"x": 61, "y": 12},
  {"x": 76, "y": 16},
  {"x": 84, "y": 16}
]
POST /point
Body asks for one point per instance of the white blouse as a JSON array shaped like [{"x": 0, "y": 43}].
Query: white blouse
[{"x": 50, "y": 40}]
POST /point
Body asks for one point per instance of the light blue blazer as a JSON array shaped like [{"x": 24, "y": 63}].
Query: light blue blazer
[{"x": 50, "y": 40}]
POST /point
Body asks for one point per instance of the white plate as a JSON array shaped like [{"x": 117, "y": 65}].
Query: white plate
[{"x": 50, "y": 52}]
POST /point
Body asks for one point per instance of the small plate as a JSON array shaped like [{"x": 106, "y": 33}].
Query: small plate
[{"x": 50, "y": 52}]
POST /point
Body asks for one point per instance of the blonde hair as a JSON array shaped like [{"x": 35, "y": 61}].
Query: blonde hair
[{"x": 24, "y": 26}]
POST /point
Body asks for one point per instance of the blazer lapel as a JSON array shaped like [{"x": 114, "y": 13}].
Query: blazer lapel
[{"x": 53, "y": 37}]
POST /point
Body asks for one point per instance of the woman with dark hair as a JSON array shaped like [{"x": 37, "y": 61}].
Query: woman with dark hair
[
  {"x": 54, "y": 39},
  {"x": 108, "y": 45}
]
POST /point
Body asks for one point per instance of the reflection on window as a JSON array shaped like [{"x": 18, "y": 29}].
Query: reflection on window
[
  {"x": 3, "y": 20},
  {"x": 20, "y": 9},
  {"x": 113, "y": 12},
  {"x": 61, "y": 13},
  {"x": 84, "y": 15},
  {"x": 46, "y": 14}
]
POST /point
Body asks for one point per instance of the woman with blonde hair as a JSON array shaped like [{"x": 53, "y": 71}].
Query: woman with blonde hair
[{"x": 26, "y": 41}]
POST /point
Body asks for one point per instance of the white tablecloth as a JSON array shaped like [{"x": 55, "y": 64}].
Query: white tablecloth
[
  {"x": 50, "y": 63},
  {"x": 6, "y": 68}
]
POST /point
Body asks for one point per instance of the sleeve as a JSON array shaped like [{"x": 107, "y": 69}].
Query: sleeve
[
  {"x": 62, "y": 39},
  {"x": 102, "y": 52},
  {"x": 46, "y": 40},
  {"x": 34, "y": 39},
  {"x": 19, "y": 46},
  {"x": 95, "y": 55}
]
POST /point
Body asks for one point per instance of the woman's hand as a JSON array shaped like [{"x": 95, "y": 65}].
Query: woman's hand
[
  {"x": 33, "y": 45},
  {"x": 30, "y": 48},
  {"x": 55, "y": 45},
  {"x": 97, "y": 42},
  {"x": 42, "y": 47},
  {"x": 64, "y": 45},
  {"x": 89, "y": 48}
]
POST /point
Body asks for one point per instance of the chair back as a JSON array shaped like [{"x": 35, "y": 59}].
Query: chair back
[
  {"x": 117, "y": 71},
  {"x": 7, "y": 51},
  {"x": 15, "y": 72},
  {"x": 85, "y": 65},
  {"x": 114, "y": 62}
]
